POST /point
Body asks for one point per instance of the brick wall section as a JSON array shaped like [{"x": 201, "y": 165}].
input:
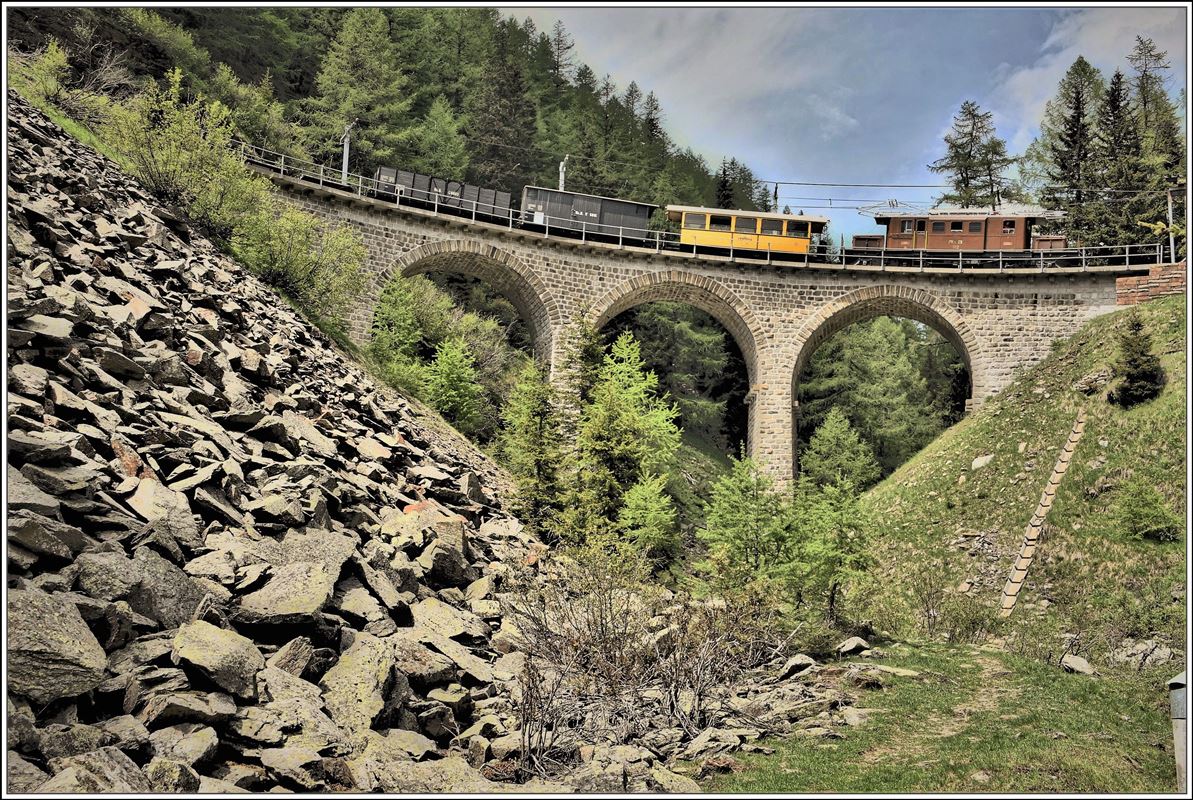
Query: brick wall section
[
  {"x": 1159, "y": 282},
  {"x": 776, "y": 314}
]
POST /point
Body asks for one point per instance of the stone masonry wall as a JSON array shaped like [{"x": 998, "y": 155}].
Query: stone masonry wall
[{"x": 777, "y": 314}]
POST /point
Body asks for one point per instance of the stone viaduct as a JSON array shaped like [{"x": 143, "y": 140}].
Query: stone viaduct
[{"x": 1000, "y": 321}]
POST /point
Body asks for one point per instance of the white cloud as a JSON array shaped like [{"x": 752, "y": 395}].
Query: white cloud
[{"x": 1104, "y": 36}]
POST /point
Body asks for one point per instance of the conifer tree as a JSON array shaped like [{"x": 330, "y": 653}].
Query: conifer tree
[
  {"x": 1037, "y": 162},
  {"x": 452, "y": 387},
  {"x": 626, "y": 432},
  {"x": 562, "y": 64},
  {"x": 647, "y": 518},
  {"x": 746, "y": 525},
  {"x": 1118, "y": 165},
  {"x": 837, "y": 454},
  {"x": 975, "y": 159},
  {"x": 502, "y": 122},
  {"x": 828, "y": 547},
  {"x": 360, "y": 82},
  {"x": 1141, "y": 376},
  {"x": 530, "y": 442},
  {"x": 439, "y": 147},
  {"x": 725, "y": 185},
  {"x": 1070, "y": 155}
]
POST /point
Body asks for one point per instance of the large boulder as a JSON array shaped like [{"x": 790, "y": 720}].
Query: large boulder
[
  {"x": 52, "y": 653},
  {"x": 101, "y": 771},
  {"x": 165, "y": 593},
  {"x": 230, "y": 660},
  {"x": 364, "y": 684},
  {"x": 294, "y": 593}
]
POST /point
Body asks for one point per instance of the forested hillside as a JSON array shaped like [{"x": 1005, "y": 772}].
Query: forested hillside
[{"x": 459, "y": 93}]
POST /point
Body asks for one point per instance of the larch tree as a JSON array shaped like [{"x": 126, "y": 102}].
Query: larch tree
[
  {"x": 837, "y": 454},
  {"x": 360, "y": 83},
  {"x": 975, "y": 160},
  {"x": 532, "y": 446},
  {"x": 439, "y": 147}
]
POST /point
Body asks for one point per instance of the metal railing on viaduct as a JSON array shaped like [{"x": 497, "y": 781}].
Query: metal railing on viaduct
[{"x": 1111, "y": 258}]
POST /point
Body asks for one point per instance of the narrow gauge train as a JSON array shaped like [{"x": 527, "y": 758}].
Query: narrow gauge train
[
  {"x": 974, "y": 234},
  {"x": 976, "y": 237}
]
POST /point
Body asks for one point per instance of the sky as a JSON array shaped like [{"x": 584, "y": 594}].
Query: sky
[{"x": 852, "y": 95}]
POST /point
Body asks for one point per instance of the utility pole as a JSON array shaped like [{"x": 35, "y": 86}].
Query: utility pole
[
  {"x": 1171, "y": 238},
  {"x": 344, "y": 166},
  {"x": 563, "y": 170}
]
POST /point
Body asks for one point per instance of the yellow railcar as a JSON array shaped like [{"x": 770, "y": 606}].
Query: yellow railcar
[{"x": 745, "y": 230}]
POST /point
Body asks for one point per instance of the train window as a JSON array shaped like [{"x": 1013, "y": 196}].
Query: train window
[
  {"x": 694, "y": 221},
  {"x": 955, "y": 226},
  {"x": 938, "y": 227},
  {"x": 799, "y": 229},
  {"x": 975, "y": 227},
  {"x": 719, "y": 223},
  {"x": 921, "y": 225},
  {"x": 907, "y": 226},
  {"x": 772, "y": 227},
  {"x": 745, "y": 224},
  {"x": 1008, "y": 226}
]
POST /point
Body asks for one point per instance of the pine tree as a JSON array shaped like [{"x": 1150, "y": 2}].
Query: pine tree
[
  {"x": 452, "y": 387},
  {"x": 439, "y": 147},
  {"x": 502, "y": 122},
  {"x": 836, "y": 454},
  {"x": 530, "y": 442},
  {"x": 1118, "y": 165},
  {"x": 1141, "y": 376},
  {"x": 360, "y": 82},
  {"x": 1071, "y": 164}
]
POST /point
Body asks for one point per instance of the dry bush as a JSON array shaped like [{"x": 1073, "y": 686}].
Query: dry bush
[{"x": 607, "y": 653}]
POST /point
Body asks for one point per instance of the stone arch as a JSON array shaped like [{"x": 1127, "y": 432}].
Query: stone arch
[
  {"x": 868, "y": 302},
  {"x": 700, "y": 291},
  {"x": 504, "y": 272}
]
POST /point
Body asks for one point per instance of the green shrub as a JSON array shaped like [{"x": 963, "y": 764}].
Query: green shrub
[
  {"x": 319, "y": 266},
  {"x": 40, "y": 76},
  {"x": 181, "y": 151},
  {"x": 177, "y": 43},
  {"x": 1141, "y": 512},
  {"x": 964, "y": 619}
]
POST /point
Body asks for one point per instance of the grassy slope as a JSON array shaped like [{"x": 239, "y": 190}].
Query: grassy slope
[
  {"x": 1084, "y": 562},
  {"x": 976, "y": 720}
]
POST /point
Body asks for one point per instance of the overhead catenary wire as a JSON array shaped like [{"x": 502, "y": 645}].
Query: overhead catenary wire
[{"x": 834, "y": 185}]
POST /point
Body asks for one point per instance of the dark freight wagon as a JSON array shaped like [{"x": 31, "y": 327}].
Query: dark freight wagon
[
  {"x": 427, "y": 191},
  {"x": 606, "y": 217}
]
